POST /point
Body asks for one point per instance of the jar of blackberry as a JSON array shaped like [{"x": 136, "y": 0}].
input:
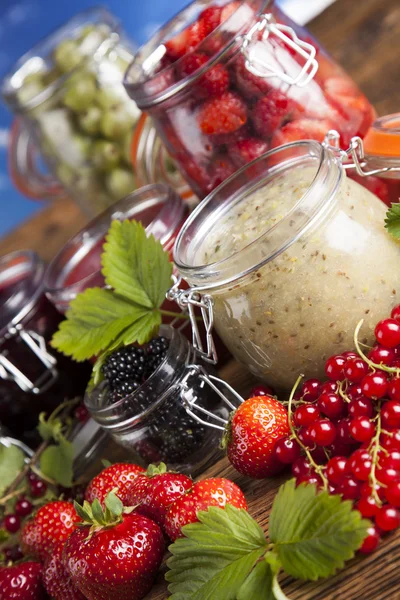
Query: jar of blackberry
[{"x": 148, "y": 398}]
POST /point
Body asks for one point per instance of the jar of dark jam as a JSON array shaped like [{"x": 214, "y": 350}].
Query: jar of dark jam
[{"x": 33, "y": 377}]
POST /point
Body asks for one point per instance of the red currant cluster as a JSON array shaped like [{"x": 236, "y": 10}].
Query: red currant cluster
[{"x": 346, "y": 431}]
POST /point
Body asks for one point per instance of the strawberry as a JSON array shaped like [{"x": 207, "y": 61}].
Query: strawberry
[
  {"x": 22, "y": 582},
  {"x": 186, "y": 40},
  {"x": 57, "y": 580},
  {"x": 350, "y": 103},
  {"x": 252, "y": 433},
  {"x": 251, "y": 86},
  {"x": 210, "y": 18},
  {"x": 51, "y": 525},
  {"x": 222, "y": 115},
  {"x": 272, "y": 111},
  {"x": 209, "y": 492},
  {"x": 244, "y": 151},
  {"x": 115, "y": 553},
  {"x": 119, "y": 475},
  {"x": 302, "y": 129},
  {"x": 213, "y": 83},
  {"x": 155, "y": 492}
]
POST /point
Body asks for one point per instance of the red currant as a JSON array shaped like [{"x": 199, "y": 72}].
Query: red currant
[
  {"x": 334, "y": 367},
  {"x": 387, "y": 475},
  {"x": 390, "y": 414},
  {"x": 362, "y": 429},
  {"x": 331, "y": 405},
  {"x": 380, "y": 355},
  {"x": 361, "y": 407},
  {"x": 287, "y": 450},
  {"x": 387, "y": 332},
  {"x": 392, "y": 493},
  {"x": 306, "y": 414},
  {"x": 338, "y": 448},
  {"x": 261, "y": 390},
  {"x": 38, "y": 488},
  {"x": 366, "y": 490},
  {"x": 336, "y": 468},
  {"x": 388, "y": 518},
  {"x": 354, "y": 391},
  {"x": 349, "y": 488},
  {"x": 349, "y": 354},
  {"x": 394, "y": 389},
  {"x": 311, "y": 390},
  {"x": 301, "y": 466},
  {"x": 13, "y": 553},
  {"x": 11, "y": 523},
  {"x": 322, "y": 432},
  {"x": 390, "y": 460},
  {"x": 343, "y": 431},
  {"x": 367, "y": 506},
  {"x": 311, "y": 479},
  {"x": 355, "y": 369},
  {"x": 23, "y": 507},
  {"x": 305, "y": 437},
  {"x": 375, "y": 385},
  {"x": 81, "y": 413},
  {"x": 395, "y": 314},
  {"x": 391, "y": 440},
  {"x": 360, "y": 464},
  {"x": 329, "y": 386},
  {"x": 32, "y": 477},
  {"x": 371, "y": 542}
]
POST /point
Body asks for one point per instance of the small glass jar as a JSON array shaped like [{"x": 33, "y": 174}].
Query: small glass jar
[
  {"x": 33, "y": 377},
  {"x": 153, "y": 422},
  {"x": 78, "y": 265},
  {"x": 223, "y": 83},
  {"x": 293, "y": 254},
  {"x": 74, "y": 113}
]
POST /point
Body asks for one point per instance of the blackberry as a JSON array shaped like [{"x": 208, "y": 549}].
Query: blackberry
[
  {"x": 156, "y": 352},
  {"x": 181, "y": 438},
  {"x": 124, "y": 369}
]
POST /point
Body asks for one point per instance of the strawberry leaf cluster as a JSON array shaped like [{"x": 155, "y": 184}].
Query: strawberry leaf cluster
[
  {"x": 11, "y": 463},
  {"x": 137, "y": 273},
  {"x": 392, "y": 221}
]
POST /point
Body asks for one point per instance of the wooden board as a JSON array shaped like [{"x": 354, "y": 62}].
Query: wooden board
[{"x": 364, "y": 38}]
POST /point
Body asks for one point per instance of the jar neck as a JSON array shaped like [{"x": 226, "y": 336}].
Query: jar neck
[
  {"x": 230, "y": 196},
  {"x": 148, "y": 87}
]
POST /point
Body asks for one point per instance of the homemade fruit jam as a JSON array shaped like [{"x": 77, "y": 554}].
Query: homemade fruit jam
[
  {"x": 78, "y": 265},
  {"x": 226, "y": 83},
  {"x": 33, "y": 376}
]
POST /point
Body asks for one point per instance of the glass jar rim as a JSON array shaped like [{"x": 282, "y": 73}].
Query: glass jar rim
[
  {"x": 148, "y": 56},
  {"x": 13, "y": 265},
  {"x": 9, "y": 88},
  {"x": 171, "y": 212},
  {"x": 216, "y": 205}
]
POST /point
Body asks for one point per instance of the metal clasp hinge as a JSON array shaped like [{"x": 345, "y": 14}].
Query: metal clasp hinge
[
  {"x": 254, "y": 61},
  {"x": 37, "y": 344}
]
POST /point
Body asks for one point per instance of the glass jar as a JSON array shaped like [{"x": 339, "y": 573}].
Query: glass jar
[
  {"x": 153, "y": 421},
  {"x": 74, "y": 113},
  {"x": 293, "y": 254},
  {"x": 78, "y": 264},
  {"x": 33, "y": 377},
  {"x": 223, "y": 84}
]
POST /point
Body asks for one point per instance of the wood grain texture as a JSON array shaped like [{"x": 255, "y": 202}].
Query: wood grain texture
[{"x": 365, "y": 38}]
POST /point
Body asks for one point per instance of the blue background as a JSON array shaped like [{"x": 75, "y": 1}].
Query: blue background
[{"x": 24, "y": 22}]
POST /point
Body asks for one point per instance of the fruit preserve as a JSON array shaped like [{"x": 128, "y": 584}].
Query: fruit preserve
[
  {"x": 294, "y": 254},
  {"x": 78, "y": 265},
  {"x": 225, "y": 83},
  {"x": 74, "y": 110},
  {"x": 33, "y": 377}
]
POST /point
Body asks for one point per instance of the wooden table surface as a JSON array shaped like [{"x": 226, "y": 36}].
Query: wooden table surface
[{"x": 365, "y": 38}]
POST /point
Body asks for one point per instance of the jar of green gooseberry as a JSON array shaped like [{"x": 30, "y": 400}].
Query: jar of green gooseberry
[{"x": 74, "y": 113}]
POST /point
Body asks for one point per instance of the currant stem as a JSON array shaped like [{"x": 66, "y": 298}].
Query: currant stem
[
  {"x": 369, "y": 362},
  {"x": 375, "y": 445},
  {"x": 317, "y": 468},
  {"x": 342, "y": 393}
]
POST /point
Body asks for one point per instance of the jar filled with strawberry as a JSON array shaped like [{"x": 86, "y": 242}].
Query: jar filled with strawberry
[{"x": 224, "y": 83}]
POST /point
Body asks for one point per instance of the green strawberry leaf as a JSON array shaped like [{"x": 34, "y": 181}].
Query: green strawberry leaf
[
  {"x": 49, "y": 429},
  {"x": 56, "y": 462},
  {"x": 114, "y": 504},
  {"x": 95, "y": 318},
  {"x": 82, "y": 512},
  {"x": 392, "y": 221},
  {"x": 314, "y": 534},
  {"x": 97, "y": 512},
  {"x": 216, "y": 555},
  {"x": 4, "y": 535},
  {"x": 135, "y": 265},
  {"x": 11, "y": 462}
]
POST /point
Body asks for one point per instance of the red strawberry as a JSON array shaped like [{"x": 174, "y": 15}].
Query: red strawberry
[
  {"x": 52, "y": 524},
  {"x": 156, "y": 491},
  {"x": 22, "y": 582},
  {"x": 350, "y": 103},
  {"x": 209, "y": 492},
  {"x": 213, "y": 83},
  {"x": 118, "y": 557},
  {"x": 210, "y": 18},
  {"x": 57, "y": 580},
  {"x": 252, "y": 433},
  {"x": 186, "y": 40},
  {"x": 272, "y": 111},
  {"x": 222, "y": 115},
  {"x": 244, "y": 151},
  {"x": 251, "y": 86},
  {"x": 120, "y": 475},
  {"x": 302, "y": 129}
]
